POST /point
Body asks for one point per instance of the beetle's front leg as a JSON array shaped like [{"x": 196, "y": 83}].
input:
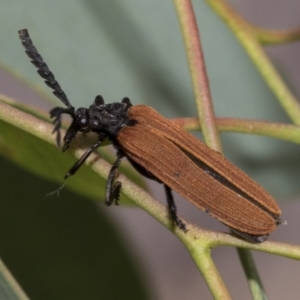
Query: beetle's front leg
[
  {"x": 56, "y": 113},
  {"x": 84, "y": 157},
  {"x": 113, "y": 190}
]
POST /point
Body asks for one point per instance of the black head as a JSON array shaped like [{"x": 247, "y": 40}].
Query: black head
[{"x": 104, "y": 119}]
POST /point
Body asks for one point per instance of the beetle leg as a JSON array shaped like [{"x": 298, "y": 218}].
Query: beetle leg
[
  {"x": 56, "y": 113},
  {"x": 84, "y": 157},
  {"x": 113, "y": 190},
  {"x": 172, "y": 209},
  {"x": 70, "y": 135}
]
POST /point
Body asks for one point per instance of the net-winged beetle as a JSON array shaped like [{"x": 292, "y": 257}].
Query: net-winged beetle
[{"x": 162, "y": 151}]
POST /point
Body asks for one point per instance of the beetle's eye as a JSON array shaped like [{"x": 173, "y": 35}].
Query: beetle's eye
[
  {"x": 82, "y": 117},
  {"x": 83, "y": 121}
]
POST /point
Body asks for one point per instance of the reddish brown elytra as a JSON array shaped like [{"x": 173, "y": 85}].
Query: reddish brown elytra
[
  {"x": 198, "y": 173},
  {"x": 162, "y": 151}
]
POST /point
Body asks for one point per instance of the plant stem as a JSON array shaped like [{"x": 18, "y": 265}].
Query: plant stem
[
  {"x": 199, "y": 77},
  {"x": 253, "y": 279},
  {"x": 275, "y": 37},
  {"x": 287, "y": 132},
  {"x": 246, "y": 34}
]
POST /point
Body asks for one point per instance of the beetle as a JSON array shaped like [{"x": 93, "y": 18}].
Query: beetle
[{"x": 162, "y": 151}]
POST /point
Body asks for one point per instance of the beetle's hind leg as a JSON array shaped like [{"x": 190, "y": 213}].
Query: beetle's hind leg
[
  {"x": 170, "y": 201},
  {"x": 113, "y": 190},
  {"x": 172, "y": 209}
]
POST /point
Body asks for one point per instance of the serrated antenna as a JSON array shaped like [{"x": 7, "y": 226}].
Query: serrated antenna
[{"x": 42, "y": 67}]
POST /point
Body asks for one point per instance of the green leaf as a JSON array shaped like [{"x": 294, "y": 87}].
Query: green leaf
[{"x": 62, "y": 247}]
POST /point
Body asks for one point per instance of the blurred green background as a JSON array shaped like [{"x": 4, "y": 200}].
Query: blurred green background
[{"x": 65, "y": 248}]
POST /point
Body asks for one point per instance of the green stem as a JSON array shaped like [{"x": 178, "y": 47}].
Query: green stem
[
  {"x": 275, "y": 37},
  {"x": 246, "y": 34},
  {"x": 287, "y": 132},
  {"x": 254, "y": 281},
  {"x": 200, "y": 81},
  {"x": 202, "y": 258}
]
